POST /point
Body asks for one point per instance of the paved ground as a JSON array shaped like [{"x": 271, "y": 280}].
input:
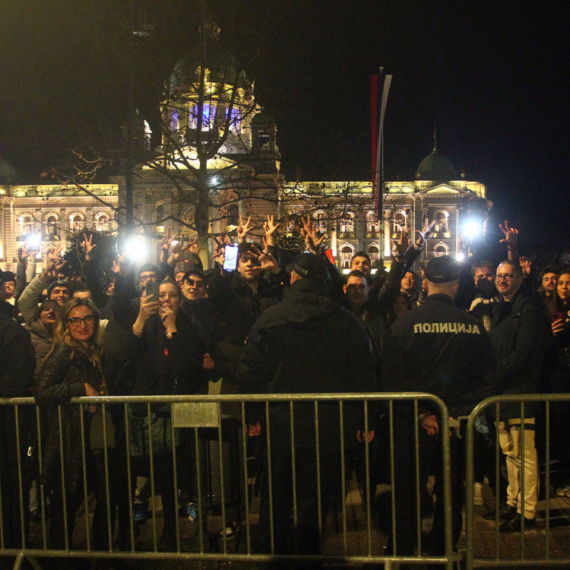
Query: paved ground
[{"x": 357, "y": 533}]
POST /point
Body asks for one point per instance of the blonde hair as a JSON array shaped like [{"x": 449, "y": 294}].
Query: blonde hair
[{"x": 62, "y": 333}]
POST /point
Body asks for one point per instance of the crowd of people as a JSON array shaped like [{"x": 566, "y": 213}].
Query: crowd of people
[{"x": 277, "y": 323}]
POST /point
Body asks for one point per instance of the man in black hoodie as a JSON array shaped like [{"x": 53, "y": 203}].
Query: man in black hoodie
[
  {"x": 17, "y": 365},
  {"x": 306, "y": 344}
]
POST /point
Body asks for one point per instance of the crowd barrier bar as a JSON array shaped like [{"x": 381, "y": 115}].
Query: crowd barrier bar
[
  {"x": 493, "y": 405},
  {"x": 199, "y": 416}
]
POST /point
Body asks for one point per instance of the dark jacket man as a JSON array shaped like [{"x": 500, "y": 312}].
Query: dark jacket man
[
  {"x": 306, "y": 344},
  {"x": 439, "y": 349},
  {"x": 17, "y": 365}
]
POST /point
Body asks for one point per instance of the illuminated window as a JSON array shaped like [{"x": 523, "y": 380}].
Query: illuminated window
[
  {"x": 399, "y": 223},
  {"x": 441, "y": 226},
  {"x": 50, "y": 227},
  {"x": 372, "y": 225},
  {"x": 76, "y": 222},
  {"x": 440, "y": 250},
  {"x": 26, "y": 222},
  {"x": 235, "y": 119},
  {"x": 346, "y": 253},
  {"x": 102, "y": 222},
  {"x": 346, "y": 225},
  {"x": 159, "y": 216},
  {"x": 320, "y": 219},
  {"x": 208, "y": 117},
  {"x": 374, "y": 253}
]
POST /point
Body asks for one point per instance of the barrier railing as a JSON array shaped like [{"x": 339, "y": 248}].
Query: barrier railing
[
  {"x": 524, "y": 544},
  {"x": 279, "y": 501}
]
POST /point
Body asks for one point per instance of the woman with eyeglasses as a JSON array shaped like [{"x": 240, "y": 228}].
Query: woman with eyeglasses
[{"x": 72, "y": 369}]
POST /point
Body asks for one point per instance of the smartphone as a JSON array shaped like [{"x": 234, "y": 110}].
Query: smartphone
[
  {"x": 557, "y": 316},
  {"x": 152, "y": 289},
  {"x": 230, "y": 257}
]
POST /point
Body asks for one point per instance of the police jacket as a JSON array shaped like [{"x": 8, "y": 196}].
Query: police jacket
[
  {"x": 308, "y": 344},
  {"x": 439, "y": 349},
  {"x": 520, "y": 333}
]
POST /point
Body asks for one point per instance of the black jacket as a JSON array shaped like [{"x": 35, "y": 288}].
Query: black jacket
[
  {"x": 17, "y": 365},
  {"x": 63, "y": 377},
  {"x": 437, "y": 348},
  {"x": 521, "y": 334},
  {"x": 308, "y": 344},
  {"x": 239, "y": 307},
  {"x": 166, "y": 366}
]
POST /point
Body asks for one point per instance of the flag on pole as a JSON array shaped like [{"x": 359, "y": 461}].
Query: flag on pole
[{"x": 380, "y": 87}]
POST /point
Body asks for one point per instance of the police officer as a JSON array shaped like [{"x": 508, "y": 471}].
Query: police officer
[{"x": 435, "y": 348}]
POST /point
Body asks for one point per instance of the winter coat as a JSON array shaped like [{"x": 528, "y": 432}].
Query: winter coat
[
  {"x": 308, "y": 344},
  {"x": 521, "y": 334},
  {"x": 63, "y": 377},
  {"x": 41, "y": 341}
]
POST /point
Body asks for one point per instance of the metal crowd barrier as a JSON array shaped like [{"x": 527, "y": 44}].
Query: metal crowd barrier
[
  {"x": 225, "y": 486},
  {"x": 546, "y": 544}
]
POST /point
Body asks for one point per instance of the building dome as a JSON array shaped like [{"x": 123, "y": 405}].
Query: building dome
[
  {"x": 8, "y": 173},
  {"x": 436, "y": 166},
  {"x": 222, "y": 66}
]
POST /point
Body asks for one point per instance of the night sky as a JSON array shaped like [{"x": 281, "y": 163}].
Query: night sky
[{"x": 492, "y": 75}]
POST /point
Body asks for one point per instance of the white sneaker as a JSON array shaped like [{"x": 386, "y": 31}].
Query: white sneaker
[{"x": 478, "y": 494}]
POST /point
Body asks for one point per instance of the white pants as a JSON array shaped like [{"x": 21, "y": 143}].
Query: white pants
[{"x": 510, "y": 439}]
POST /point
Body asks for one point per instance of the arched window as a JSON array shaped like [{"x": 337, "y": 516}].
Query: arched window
[
  {"x": 320, "y": 219},
  {"x": 441, "y": 226},
  {"x": 76, "y": 222},
  {"x": 346, "y": 253},
  {"x": 374, "y": 253},
  {"x": 399, "y": 222},
  {"x": 102, "y": 222},
  {"x": 346, "y": 225},
  {"x": 440, "y": 249},
  {"x": 26, "y": 222},
  {"x": 372, "y": 225},
  {"x": 50, "y": 226},
  {"x": 159, "y": 216}
]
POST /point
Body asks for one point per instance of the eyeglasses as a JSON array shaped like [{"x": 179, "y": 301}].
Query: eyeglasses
[
  {"x": 196, "y": 283},
  {"x": 144, "y": 278},
  {"x": 507, "y": 276},
  {"x": 76, "y": 321},
  {"x": 486, "y": 276}
]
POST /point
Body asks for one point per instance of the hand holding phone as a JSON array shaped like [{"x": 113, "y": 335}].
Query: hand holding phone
[{"x": 230, "y": 257}]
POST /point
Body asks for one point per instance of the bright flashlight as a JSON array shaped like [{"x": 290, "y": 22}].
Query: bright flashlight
[
  {"x": 135, "y": 248},
  {"x": 33, "y": 241},
  {"x": 472, "y": 229},
  {"x": 460, "y": 257}
]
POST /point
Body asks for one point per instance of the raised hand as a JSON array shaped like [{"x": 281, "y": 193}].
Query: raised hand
[
  {"x": 266, "y": 261},
  {"x": 312, "y": 239},
  {"x": 425, "y": 233},
  {"x": 54, "y": 253},
  {"x": 400, "y": 246},
  {"x": 52, "y": 270},
  {"x": 269, "y": 228},
  {"x": 148, "y": 307},
  {"x": 88, "y": 246},
  {"x": 526, "y": 266},
  {"x": 511, "y": 236},
  {"x": 243, "y": 229}
]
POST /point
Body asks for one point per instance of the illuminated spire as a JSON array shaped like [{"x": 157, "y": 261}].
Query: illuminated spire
[{"x": 435, "y": 136}]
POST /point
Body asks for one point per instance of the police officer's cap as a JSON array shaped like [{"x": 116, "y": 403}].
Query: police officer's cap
[{"x": 443, "y": 269}]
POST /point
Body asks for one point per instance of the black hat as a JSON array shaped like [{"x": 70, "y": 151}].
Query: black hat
[
  {"x": 309, "y": 266},
  {"x": 55, "y": 284},
  {"x": 8, "y": 276},
  {"x": 443, "y": 269}
]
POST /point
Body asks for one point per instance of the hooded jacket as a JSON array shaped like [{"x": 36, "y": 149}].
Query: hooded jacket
[{"x": 308, "y": 344}]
